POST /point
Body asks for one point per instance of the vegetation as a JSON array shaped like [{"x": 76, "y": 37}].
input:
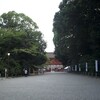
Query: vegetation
[
  {"x": 20, "y": 37},
  {"x": 76, "y": 31}
]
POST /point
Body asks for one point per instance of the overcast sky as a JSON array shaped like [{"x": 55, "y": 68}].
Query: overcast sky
[{"x": 41, "y": 11}]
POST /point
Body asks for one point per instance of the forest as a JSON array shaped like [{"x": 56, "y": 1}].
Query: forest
[{"x": 76, "y": 28}]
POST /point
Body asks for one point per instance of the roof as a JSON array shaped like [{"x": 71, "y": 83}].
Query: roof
[
  {"x": 55, "y": 62},
  {"x": 50, "y": 55}
]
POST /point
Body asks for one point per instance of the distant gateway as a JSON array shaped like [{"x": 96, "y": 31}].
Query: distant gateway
[{"x": 54, "y": 64}]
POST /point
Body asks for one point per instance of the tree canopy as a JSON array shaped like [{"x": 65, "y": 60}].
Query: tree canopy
[
  {"x": 20, "y": 36},
  {"x": 76, "y": 30}
]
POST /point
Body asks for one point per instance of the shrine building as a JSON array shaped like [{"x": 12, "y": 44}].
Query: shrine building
[{"x": 54, "y": 64}]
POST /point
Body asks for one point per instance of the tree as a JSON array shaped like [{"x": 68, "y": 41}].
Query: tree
[
  {"x": 19, "y": 35},
  {"x": 76, "y": 30}
]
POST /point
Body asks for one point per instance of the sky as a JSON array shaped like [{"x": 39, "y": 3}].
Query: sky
[{"x": 41, "y": 11}]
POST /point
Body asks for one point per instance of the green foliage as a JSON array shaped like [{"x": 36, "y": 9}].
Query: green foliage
[
  {"x": 14, "y": 68},
  {"x": 2, "y": 66},
  {"x": 76, "y": 31},
  {"x": 19, "y": 35}
]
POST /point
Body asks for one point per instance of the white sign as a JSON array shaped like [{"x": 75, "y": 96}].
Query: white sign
[
  {"x": 79, "y": 69},
  {"x": 75, "y": 67},
  {"x": 5, "y": 69},
  {"x": 86, "y": 67},
  {"x": 96, "y": 65}
]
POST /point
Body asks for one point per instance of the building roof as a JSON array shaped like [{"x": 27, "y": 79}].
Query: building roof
[
  {"x": 53, "y": 60},
  {"x": 50, "y": 55}
]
